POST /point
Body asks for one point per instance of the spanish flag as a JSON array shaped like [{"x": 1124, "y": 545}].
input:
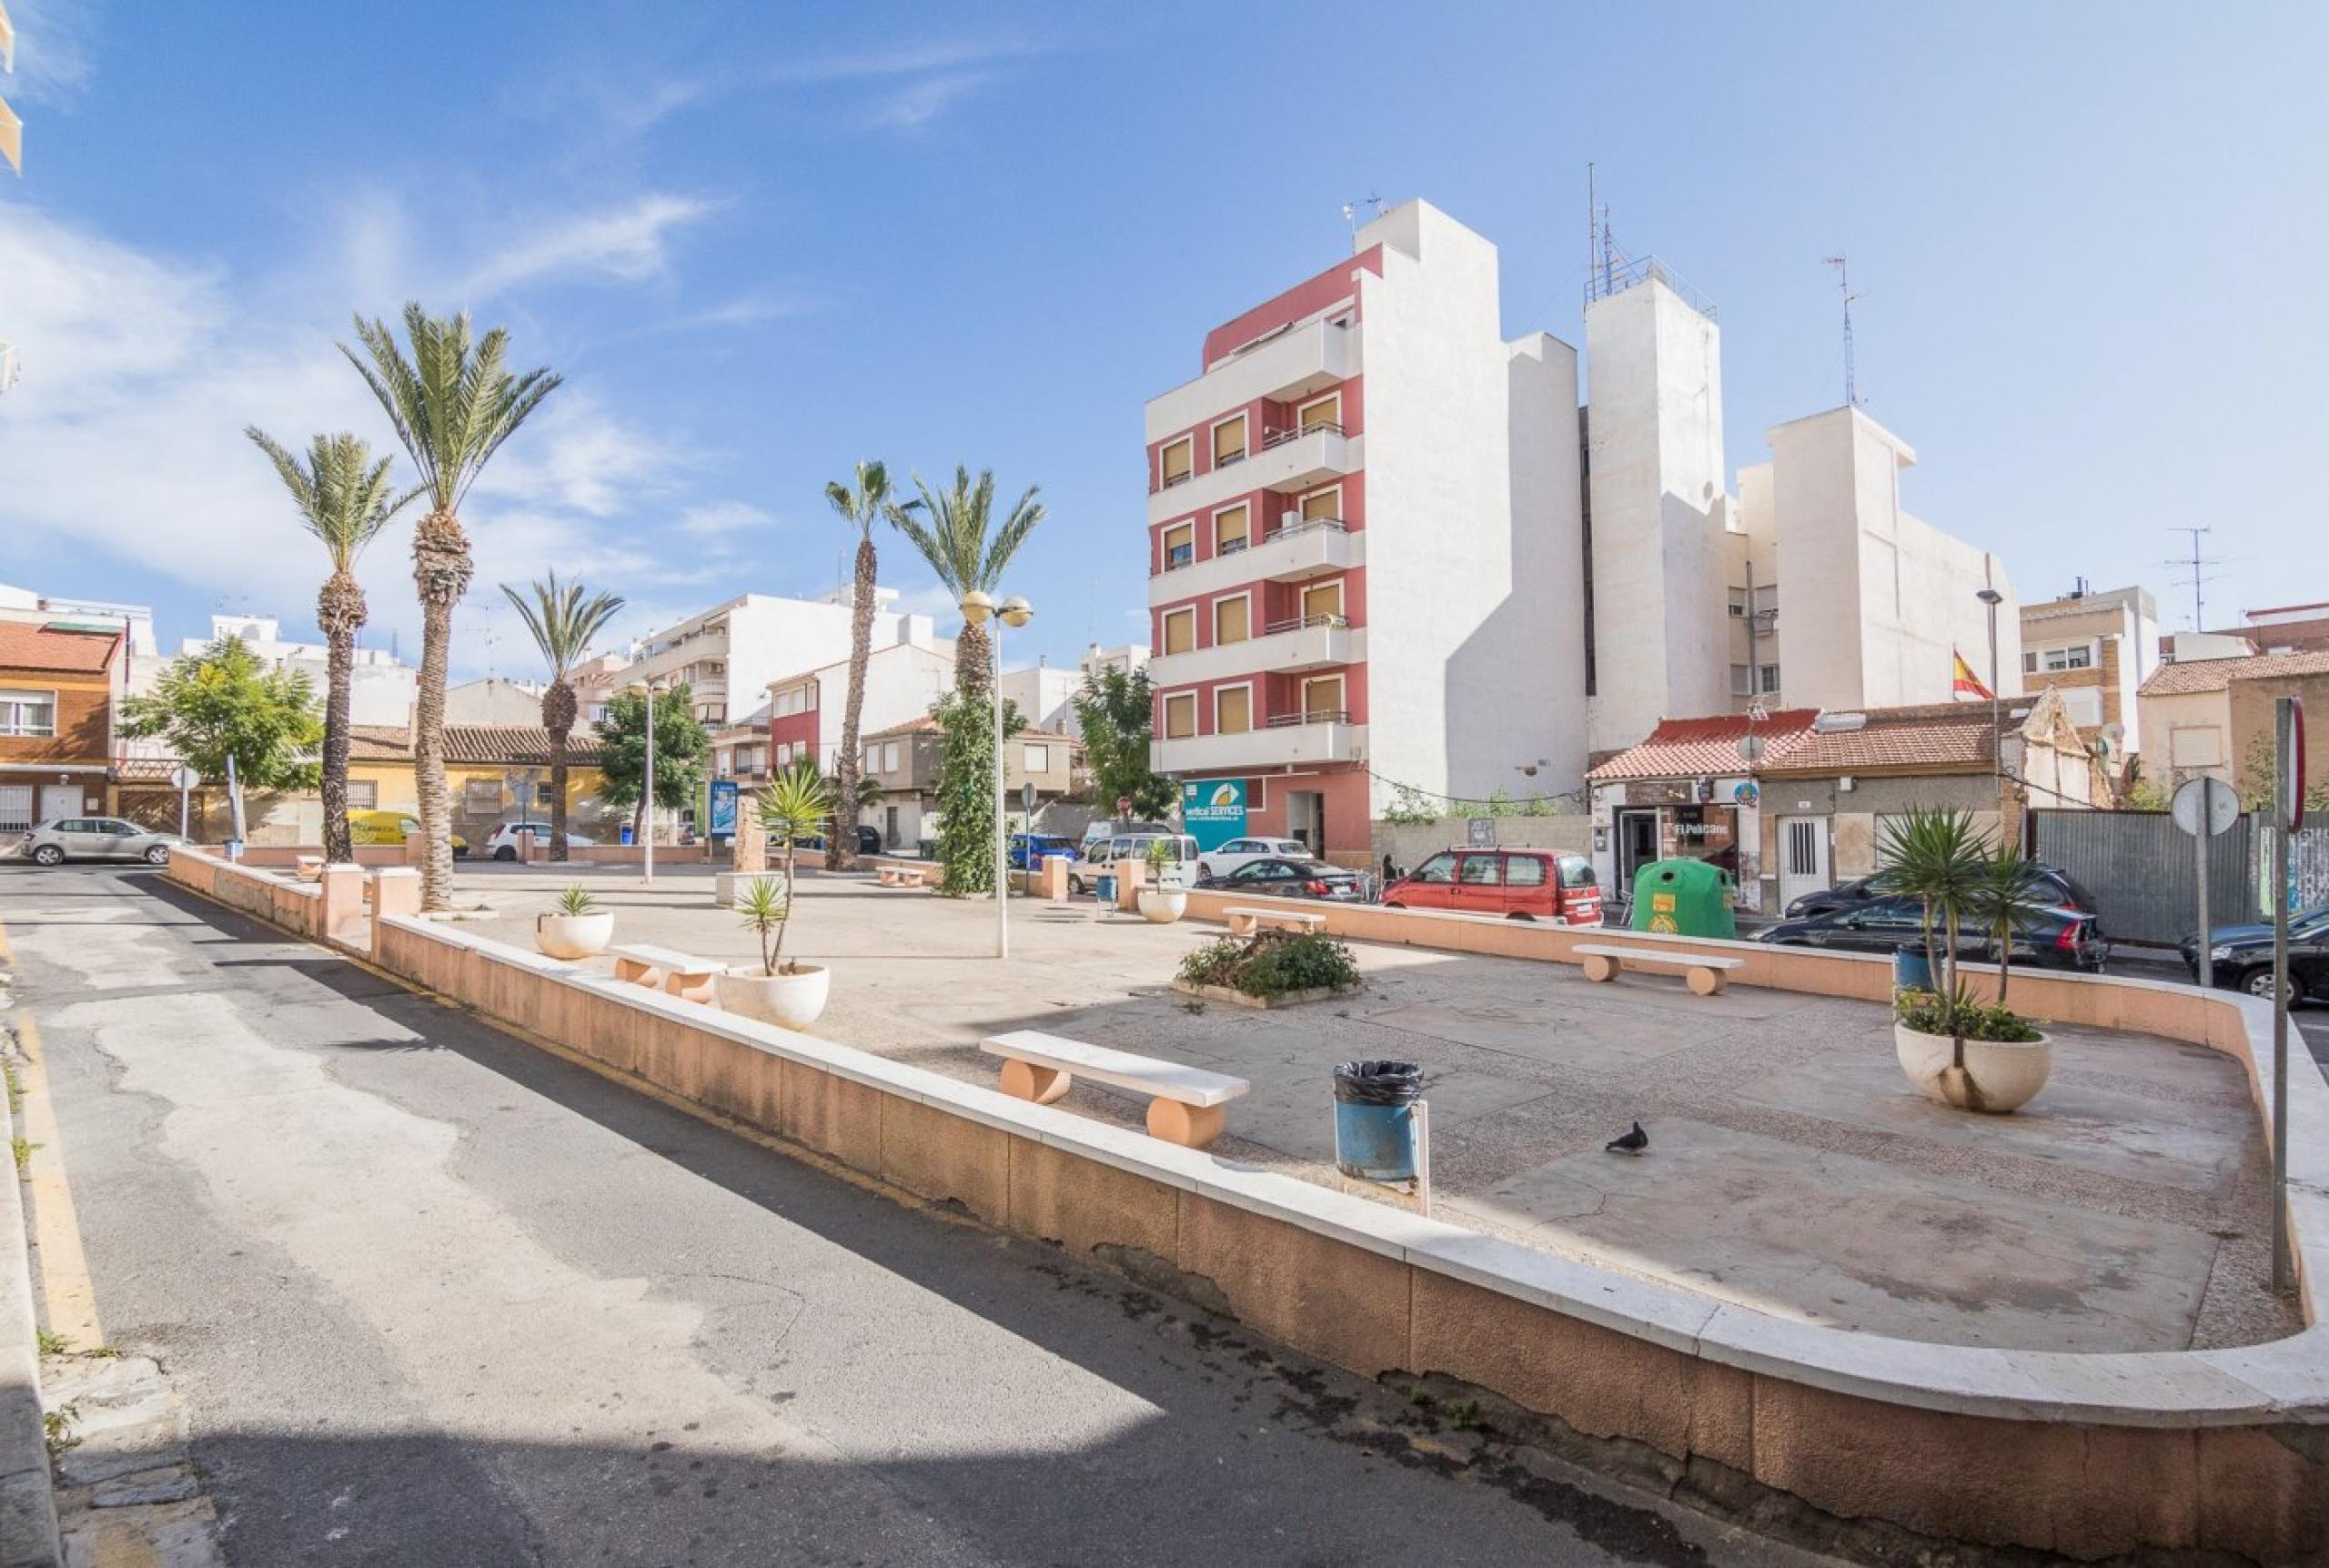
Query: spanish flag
[{"x": 1963, "y": 681}]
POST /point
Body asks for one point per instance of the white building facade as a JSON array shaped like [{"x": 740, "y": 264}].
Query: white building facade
[
  {"x": 381, "y": 688},
  {"x": 728, "y": 655}
]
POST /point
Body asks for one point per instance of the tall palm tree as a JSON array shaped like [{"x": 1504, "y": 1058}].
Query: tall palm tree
[
  {"x": 565, "y": 622},
  {"x": 860, "y": 508},
  {"x": 345, "y": 499},
  {"x": 452, "y": 403},
  {"x": 954, "y": 532}
]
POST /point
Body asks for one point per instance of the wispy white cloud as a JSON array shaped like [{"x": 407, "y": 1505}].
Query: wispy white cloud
[
  {"x": 904, "y": 60},
  {"x": 916, "y": 105},
  {"x": 627, "y": 243},
  {"x": 55, "y": 50},
  {"x": 721, "y": 520}
]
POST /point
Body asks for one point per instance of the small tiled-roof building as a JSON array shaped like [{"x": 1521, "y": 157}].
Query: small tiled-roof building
[
  {"x": 2211, "y": 715},
  {"x": 60, "y": 691},
  {"x": 903, "y": 760},
  {"x": 496, "y": 773}
]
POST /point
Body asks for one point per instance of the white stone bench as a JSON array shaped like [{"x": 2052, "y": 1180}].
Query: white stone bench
[
  {"x": 665, "y": 968},
  {"x": 1705, "y": 974},
  {"x": 902, "y": 876},
  {"x": 1246, "y": 921},
  {"x": 1185, "y": 1103}
]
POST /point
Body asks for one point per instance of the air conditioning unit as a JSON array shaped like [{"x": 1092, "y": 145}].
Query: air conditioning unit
[{"x": 1290, "y": 519}]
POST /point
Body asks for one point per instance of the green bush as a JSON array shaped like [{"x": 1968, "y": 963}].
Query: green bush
[
  {"x": 1273, "y": 963},
  {"x": 1927, "y": 1013}
]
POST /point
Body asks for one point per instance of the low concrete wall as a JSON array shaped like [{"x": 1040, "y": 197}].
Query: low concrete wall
[
  {"x": 2223, "y": 1449},
  {"x": 274, "y": 857},
  {"x": 28, "y": 1536},
  {"x": 276, "y": 897}
]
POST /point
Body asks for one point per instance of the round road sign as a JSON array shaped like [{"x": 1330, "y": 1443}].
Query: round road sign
[{"x": 2205, "y": 801}]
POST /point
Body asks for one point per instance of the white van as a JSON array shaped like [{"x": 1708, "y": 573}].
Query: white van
[{"x": 1100, "y": 856}]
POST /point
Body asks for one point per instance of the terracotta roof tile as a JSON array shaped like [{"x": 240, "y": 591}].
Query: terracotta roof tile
[
  {"x": 1942, "y": 735},
  {"x": 2197, "y": 674},
  {"x": 473, "y": 745},
  {"x": 1687, "y": 747},
  {"x": 925, "y": 725},
  {"x": 24, "y": 646}
]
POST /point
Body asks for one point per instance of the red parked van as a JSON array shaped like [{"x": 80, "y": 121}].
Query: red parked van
[{"x": 1518, "y": 884}]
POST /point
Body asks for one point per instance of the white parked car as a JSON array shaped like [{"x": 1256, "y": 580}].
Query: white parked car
[
  {"x": 96, "y": 838},
  {"x": 1246, "y": 852},
  {"x": 1099, "y": 859},
  {"x": 503, "y": 845}
]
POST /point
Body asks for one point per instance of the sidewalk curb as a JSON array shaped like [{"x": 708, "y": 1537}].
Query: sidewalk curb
[{"x": 28, "y": 1536}]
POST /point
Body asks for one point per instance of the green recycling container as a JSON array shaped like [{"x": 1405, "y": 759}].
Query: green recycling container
[{"x": 1683, "y": 899}]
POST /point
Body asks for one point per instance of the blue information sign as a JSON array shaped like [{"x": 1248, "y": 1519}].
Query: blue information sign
[
  {"x": 1213, "y": 811},
  {"x": 723, "y": 809}
]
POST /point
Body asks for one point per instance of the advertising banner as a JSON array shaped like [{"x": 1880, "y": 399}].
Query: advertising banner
[
  {"x": 723, "y": 807},
  {"x": 1213, "y": 811}
]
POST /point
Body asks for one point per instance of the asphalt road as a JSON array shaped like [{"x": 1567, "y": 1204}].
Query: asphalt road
[
  {"x": 434, "y": 1296},
  {"x": 2309, "y": 1020}
]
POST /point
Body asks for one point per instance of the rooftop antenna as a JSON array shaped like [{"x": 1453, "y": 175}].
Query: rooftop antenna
[
  {"x": 1844, "y": 286},
  {"x": 2196, "y": 564},
  {"x": 1350, "y": 212}
]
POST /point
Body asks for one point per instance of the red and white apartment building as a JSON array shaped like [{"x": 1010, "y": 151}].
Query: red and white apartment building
[{"x": 1365, "y": 543}]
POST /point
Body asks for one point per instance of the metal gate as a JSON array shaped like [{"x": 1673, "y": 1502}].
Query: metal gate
[{"x": 2143, "y": 874}]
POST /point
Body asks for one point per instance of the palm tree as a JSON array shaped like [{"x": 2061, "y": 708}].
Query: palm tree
[
  {"x": 565, "y": 623},
  {"x": 344, "y": 499},
  {"x": 452, "y": 404},
  {"x": 793, "y": 806},
  {"x": 860, "y": 508},
  {"x": 953, "y": 531},
  {"x": 2012, "y": 889}
]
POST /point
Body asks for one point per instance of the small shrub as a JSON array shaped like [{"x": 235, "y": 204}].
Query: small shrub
[
  {"x": 52, "y": 1343},
  {"x": 1927, "y": 1013},
  {"x": 23, "y": 1150},
  {"x": 577, "y": 900},
  {"x": 1273, "y": 963}
]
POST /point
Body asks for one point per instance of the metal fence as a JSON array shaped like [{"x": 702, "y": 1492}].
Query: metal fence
[{"x": 2144, "y": 874}]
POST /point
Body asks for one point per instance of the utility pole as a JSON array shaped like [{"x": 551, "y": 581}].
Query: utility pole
[
  {"x": 2196, "y": 564},
  {"x": 1844, "y": 286}
]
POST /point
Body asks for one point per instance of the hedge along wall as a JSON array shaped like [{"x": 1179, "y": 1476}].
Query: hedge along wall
[{"x": 2088, "y": 1454}]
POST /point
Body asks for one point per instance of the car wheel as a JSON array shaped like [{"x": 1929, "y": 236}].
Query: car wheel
[
  {"x": 2258, "y": 982},
  {"x": 158, "y": 855},
  {"x": 1395, "y": 906},
  {"x": 1520, "y": 915},
  {"x": 505, "y": 853},
  {"x": 48, "y": 855},
  {"x": 1076, "y": 885}
]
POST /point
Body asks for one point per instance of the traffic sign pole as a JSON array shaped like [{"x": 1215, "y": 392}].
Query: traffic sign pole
[
  {"x": 2288, "y": 815},
  {"x": 2204, "y": 808},
  {"x": 2207, "y": 937}
]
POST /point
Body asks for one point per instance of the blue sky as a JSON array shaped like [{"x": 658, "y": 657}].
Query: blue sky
[{"x": 762, "y": 244}]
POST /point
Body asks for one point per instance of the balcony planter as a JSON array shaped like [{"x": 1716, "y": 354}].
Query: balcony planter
[
  {"x": 1999, "y": 1076},
  {"x": 573, "y": 936},
  {"x": 1163, "y": 906},
  {"x": 791, "y": 999}
]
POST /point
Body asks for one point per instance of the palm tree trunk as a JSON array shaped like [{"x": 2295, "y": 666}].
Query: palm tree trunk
[
  {"x": 558, "y": 795},
  {"x": 339, "y": 848},
  {"x": 840, "y": 851},
  {"x": 441, "y": 572},
  {"x": 974, "y": 663}
]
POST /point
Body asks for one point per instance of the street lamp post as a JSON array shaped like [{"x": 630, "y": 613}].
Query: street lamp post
[
  {"x": 978, "y": 608},
  {"x": 1991, "y": 599}
]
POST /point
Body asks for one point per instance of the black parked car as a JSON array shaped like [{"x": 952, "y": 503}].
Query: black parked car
[
  {"x": 2054, "y": 939},
  {"x": 2068, "y": 893},
  {"x": 1289, "y": 879},
  {"x": 869, "y": 841},
  {"x": 2242, "y": 956}
]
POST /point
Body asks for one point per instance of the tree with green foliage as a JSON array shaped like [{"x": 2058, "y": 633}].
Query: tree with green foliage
[
  {"x": 1115, "y": 712},
  {"x": 792, "y": 805},
  {"x": 452, "y": 402},
  {"x": 225, "y": 701},
  {"x": 681, "y": 745},
  {"x": 956, "y": 533},
  {"x": 564, "y": 620},
  {"x": 2257, "y": 783},
  {"x": 966, "y": 789},
  {"x": 345, "y": 499}
]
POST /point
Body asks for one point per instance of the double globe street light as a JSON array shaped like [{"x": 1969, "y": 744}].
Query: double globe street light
[{"x": 978, "y": 608}]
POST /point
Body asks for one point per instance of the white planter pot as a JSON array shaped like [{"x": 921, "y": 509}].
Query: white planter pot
[
  {"x": 790, "y": 1000},
  {"x": 1999, "y": 1076},
  {"x": 1163, "y": 906},
  {"x": 574, "y": 936}
]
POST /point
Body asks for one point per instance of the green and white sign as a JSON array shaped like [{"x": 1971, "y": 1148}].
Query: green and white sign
[{"x": 1213, "y": 811}]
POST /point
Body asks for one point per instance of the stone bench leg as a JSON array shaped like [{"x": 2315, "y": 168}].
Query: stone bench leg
[
  {"x": 689, "y": 988},
  {"x": 631, "y": 971},
  {"x": 1191, "y": 1126},
  {"x": 1600, "y": 968},
  {"x": 1026, "y": 1081},
  {"x": 1241, "y": 925},
  {"x": 1706, "y": 982}
]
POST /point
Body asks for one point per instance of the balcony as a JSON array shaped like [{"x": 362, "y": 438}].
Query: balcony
[
  {"x": 1296, "y": 553},
  {"x": 1282, "y": 367},
  {"x": 1288, "y": 738},
  {"x": 1288, "y": 648},
  {"x": 1287, "y": 460}
]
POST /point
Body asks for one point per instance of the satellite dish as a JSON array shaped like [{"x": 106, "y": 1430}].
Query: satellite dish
[{"x": 2114, "y": 733}]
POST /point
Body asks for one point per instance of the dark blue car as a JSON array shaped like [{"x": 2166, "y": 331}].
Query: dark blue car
[{"x": 1027, "y": 849}]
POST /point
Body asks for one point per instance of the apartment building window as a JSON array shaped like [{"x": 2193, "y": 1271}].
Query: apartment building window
[
  {"x": 1233, "y": 619},
  {"x": 1180, "y": 629},
  {"x": 890, "y": 757},
  {"x": 481, "y": 797},
  {"x": 1739, "y": 602},
  {"x": 1325, "y": 413},
  {"x": 1229, "y": 441},
  {"x": 1231, "y": 531},
  {"x": 363, "y": 794},
  {"x": 1180, "y": 546},
  {"x": 1233, "y": 709},
  {"x": 29, "y": 713},
  {"x": 2055, "y": 660},
  {"x": 1766, "y": 679},
  {"x": 1038, "y": 759},
  {"x": 1180, "y": 716},
  {"x": 1173, "y": 464},
  {"x": 1323, "y": 505},
  {"x": 1321, "y": 603},
  {"x": 1322, "y": 699},
  {"x": 1743, "y": 680}
]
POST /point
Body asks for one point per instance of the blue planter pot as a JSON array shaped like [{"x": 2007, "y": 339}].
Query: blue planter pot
[{"x": 1910, "y": 970}]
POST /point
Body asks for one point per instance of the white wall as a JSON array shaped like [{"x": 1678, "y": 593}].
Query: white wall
[
  {"x": 1045, "y": 696},
  {"x": 1660, "y": 561},
  {"x": 902, "y": 681},
  {"x": 769, "y": 638}
]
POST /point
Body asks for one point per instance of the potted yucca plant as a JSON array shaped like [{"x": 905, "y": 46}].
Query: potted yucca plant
[
  {"x": 1955, "y": 1050},
  {"x": 1158, "y": 902},
  {"x": 576, "y": 928},
  {"x": 782, "y": 990}
]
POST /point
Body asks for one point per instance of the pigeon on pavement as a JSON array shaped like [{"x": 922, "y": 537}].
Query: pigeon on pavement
[{"x": 1632, "y": 1142}]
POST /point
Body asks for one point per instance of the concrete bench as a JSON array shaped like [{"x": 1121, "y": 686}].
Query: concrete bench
[
  {"x": 1705, "y": 974},
  {"x": 901, "y": 876},
  {"x": 1244, "y": 922},
  {"x": 666, "y": 969},
  {"x": 1185, "y": 1103}
]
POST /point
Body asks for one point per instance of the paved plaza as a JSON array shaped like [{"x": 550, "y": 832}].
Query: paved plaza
[{"x": 1791, "y": 1167}]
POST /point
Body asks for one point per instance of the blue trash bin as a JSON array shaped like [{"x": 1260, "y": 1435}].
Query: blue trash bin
[
  {"x": 626, "y": 833},
  {"x": 1374, "y": 1120},
  {"x": 1106, "y": 885},
  {"x": 1912, "y": 970}
]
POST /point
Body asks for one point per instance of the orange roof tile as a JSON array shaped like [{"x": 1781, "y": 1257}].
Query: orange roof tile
[
  {"x": 24, "y": 646},
  {"x": 2198, "y": 674}
]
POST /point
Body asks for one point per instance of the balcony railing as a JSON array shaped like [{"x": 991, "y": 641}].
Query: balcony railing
[
  {"x": 1182, "y": 478},
  {"x": 1320, "y": 716},
  {"x": 1304, "y": 623},
  {"x": 1284, "y": 433}
]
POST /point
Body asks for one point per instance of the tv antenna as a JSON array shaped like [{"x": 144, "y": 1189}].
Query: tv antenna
[
  {"x": 1350, "y": 212},
  {"x": 2197, "y": 565},
  {"x": 1844, "y": 286}
]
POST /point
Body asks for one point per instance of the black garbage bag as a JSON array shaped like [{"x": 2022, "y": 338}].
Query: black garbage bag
[{"x": 1378, "y": 1082}]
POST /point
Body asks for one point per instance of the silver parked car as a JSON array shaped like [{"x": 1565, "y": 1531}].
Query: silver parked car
[{"x": 97, "y": 838}]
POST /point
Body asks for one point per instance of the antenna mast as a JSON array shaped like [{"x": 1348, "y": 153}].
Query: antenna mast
[
  {"x": 1844, "y": 286},
  {"x": 2196, "y": 566}
]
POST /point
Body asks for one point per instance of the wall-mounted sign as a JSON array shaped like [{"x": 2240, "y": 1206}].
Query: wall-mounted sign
[
  {"x": 1480, "y": 832},
  {"x": 1213, "y": 810},
  {"x": 1745, "y": 793},
  {"x": 723, "y": 811}
]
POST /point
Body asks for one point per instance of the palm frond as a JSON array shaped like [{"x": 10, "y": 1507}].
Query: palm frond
[
  {"x": 953, "y": 529},
  {"x": 343, "y": 496},
  {"x": 450, "y": 400},
  {"x": 564, "y": 620}
]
